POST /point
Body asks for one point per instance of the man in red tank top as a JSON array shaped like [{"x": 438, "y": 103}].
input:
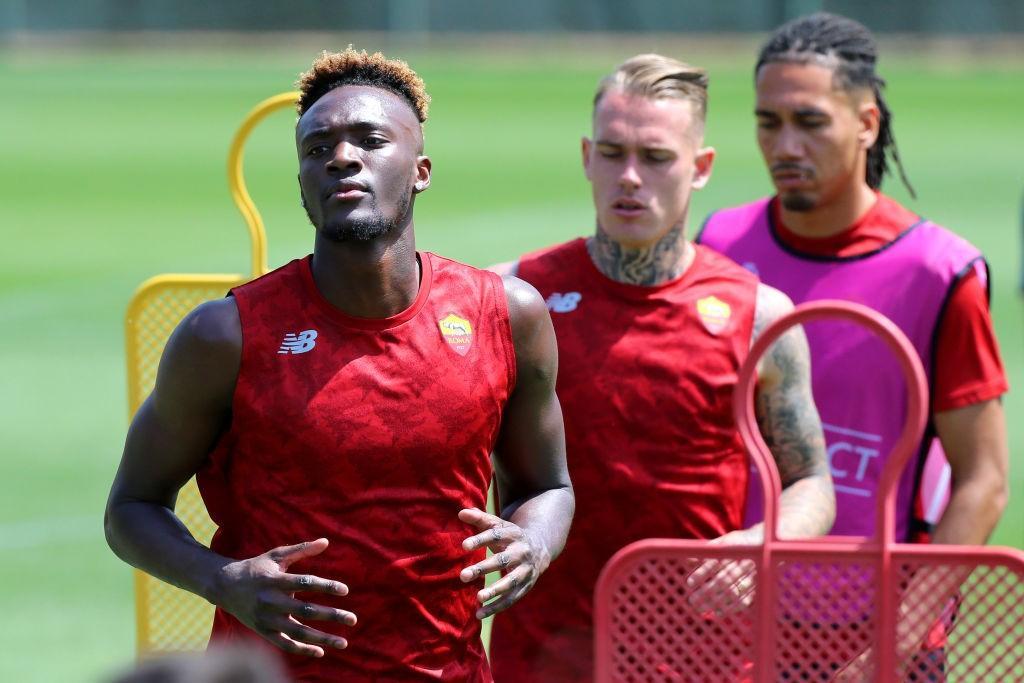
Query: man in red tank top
[
  {"x": 340, "y": 414},
  {"x": 651, "y": 333}
]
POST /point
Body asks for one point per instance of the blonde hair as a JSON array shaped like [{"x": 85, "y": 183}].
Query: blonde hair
[
  {"x": 334, "y": 69},
  {"x": 654, "y": 76}
]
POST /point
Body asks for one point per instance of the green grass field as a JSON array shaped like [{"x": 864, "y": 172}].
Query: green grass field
[{"x": 113, "y": 170}]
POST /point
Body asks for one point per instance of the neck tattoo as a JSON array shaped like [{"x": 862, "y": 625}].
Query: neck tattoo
[{"x": 648, "y": 266}]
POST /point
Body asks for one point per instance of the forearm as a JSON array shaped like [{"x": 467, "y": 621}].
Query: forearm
[
  {"x": 974, "y": 510},
  {"x": 150, "y": 537},
  {"x": 545, "y": 517},
  {"x": 807, "y": 508}
]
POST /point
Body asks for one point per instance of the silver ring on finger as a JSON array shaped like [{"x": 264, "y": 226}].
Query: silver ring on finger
[
  {"x": 504, "y": 560},
  {"x": 306, "y": 581},
  {"x": 308, "y": 610}
]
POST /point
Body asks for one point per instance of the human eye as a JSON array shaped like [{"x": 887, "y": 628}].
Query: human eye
[
  {"x": 316, "y": 150},
  {"x": 812, "y": 121},
  {"x": 609, "y": 151},
  {"x": 658, "y": 156},
  {"x": 374, "y": 140},
  {"x": 766, "y": 123}
]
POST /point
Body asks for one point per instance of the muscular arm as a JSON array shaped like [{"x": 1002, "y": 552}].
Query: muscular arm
[
  {"x": 974, "y": 439},
  {"x": 791, "y": 427},
  {"x": 169, "y": 438},
  {"x": 167, "y": 442},
  {"x": 533, "y": 484}
]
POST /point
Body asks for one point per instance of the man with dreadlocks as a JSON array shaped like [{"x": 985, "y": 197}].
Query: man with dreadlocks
[
  {"x": 355, "y": 397},
  {"x": 825, "y": 132}
]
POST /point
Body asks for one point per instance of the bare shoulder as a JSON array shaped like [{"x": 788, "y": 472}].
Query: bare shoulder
[
  {"x": 213, "y": 326},
  {"x": 203, "y": 354},
  {"x": 505, "y": 268},
  {"x": 526, "y": 307},
  {"x": 771, "y": 305}
]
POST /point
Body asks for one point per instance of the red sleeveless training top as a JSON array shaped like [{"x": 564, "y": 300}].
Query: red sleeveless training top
[
  {"x": 373, "y": 433},
  {"x": 645, "y": 379}
]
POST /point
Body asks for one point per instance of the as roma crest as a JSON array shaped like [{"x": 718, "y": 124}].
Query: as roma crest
[
  {"x": 458, "y": 332},
  {"x": 713, "y": 313}
]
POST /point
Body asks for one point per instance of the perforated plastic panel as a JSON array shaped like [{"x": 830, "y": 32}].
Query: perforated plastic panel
[
  {"x": 959, "y": 616},
  {"x": 663, "y": 630},
  {"x": 169, "y": 619},
  {"x": 830, "y": 609}
]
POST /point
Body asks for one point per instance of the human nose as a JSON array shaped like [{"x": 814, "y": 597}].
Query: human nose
[
  {"x": 629, "y": 177},
  {"x": 788, "y": 144},
  {"x": 345, "y": 157}
]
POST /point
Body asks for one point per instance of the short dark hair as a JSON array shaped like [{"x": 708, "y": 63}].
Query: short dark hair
[
  {"x": 351, "y": 67},
  {"x": 849, "y": 49}
]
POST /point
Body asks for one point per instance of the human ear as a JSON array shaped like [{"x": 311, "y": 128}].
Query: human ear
[
  {"x": 869, "y": 118},
  {"x": 702, "y": 163},
  {"x": 585, "y": 145},
  {"x": 423, "y": 167}
]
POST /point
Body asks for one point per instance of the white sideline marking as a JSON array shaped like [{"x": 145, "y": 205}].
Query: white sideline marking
[{"x": 32, "y": 533}]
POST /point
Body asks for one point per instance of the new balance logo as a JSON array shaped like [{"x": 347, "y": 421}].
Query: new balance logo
[
  {"x": 563, "y": 303},
  {"x": 298, "y": 343}
]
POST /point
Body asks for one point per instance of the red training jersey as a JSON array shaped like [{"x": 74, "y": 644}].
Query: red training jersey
[
  {"x": 968, "y": 368},
  {"x": 645, "y": 380},
  {"x": 373, "y": 433}
]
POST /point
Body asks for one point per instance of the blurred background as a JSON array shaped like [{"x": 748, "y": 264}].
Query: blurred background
[{"x": 114, "y": 128}]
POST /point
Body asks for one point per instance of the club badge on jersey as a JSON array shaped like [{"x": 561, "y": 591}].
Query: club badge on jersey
[
  {"x": 714, "y": 314},
  {"x": 458, "y": 332}
]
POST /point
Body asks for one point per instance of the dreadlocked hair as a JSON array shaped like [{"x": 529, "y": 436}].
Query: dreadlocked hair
[
  {"x": 334, "y": 69},
  {"x": 848, "y": 48}
]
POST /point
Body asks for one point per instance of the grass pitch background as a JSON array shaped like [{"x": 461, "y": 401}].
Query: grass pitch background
[{"x": 112, "y": 170}]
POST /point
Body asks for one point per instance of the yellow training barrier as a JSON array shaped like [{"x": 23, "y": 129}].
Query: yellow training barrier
[{"x": 167, "y": 618}]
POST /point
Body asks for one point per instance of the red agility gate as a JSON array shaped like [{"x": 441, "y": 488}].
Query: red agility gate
[{"x": 835, "y": 608}]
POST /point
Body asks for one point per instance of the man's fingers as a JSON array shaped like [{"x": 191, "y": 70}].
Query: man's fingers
[
  {"x": 512, "y": 581},
  {"x": 300, "y": 583},
  {"x": 496, "y": 537},
  {"x": 302, "y": 634},
  {"x": 288, "y": 645},
  {"x": 479, "y": 518},
  {"x": 308, "y": 610},
  {"x": 287, "y": 554},
  {"x": 504, "y": 602},
  {"x": 699, "y": 576},
  {"x": 720, "y": 587},
  {"x": 509, "y": 557}
]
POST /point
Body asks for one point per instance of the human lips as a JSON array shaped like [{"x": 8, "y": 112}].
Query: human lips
[
  {"x": 348, "y": 190},
  {"x": 790, "y": 176},
  {"x": 628, "y": 207}
]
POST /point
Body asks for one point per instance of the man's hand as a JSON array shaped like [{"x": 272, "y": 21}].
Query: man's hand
[
  {"x": 516, "y": 555},
  {"x": 724, "y": 586},
  {"x": 261, "y": 594}
]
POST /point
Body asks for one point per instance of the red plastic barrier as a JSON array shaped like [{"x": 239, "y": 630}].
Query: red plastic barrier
[{"x": 827, "y": 609}]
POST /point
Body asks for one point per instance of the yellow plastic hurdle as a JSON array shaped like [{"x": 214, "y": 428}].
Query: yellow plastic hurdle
[{"x": 168, "y": 618}]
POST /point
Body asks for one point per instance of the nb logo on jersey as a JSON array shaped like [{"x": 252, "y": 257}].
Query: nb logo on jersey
[
  {"x": 563, "y": 303},
  {"x": 298, "y": 343}
]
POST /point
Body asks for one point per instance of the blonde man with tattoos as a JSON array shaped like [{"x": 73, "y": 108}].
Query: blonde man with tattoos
[{"x": 651, "y": 332}]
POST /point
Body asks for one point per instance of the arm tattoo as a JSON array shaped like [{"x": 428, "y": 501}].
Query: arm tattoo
[
  {"x": 664, "y": 261},
  {"x": 791, "y": 427}
]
